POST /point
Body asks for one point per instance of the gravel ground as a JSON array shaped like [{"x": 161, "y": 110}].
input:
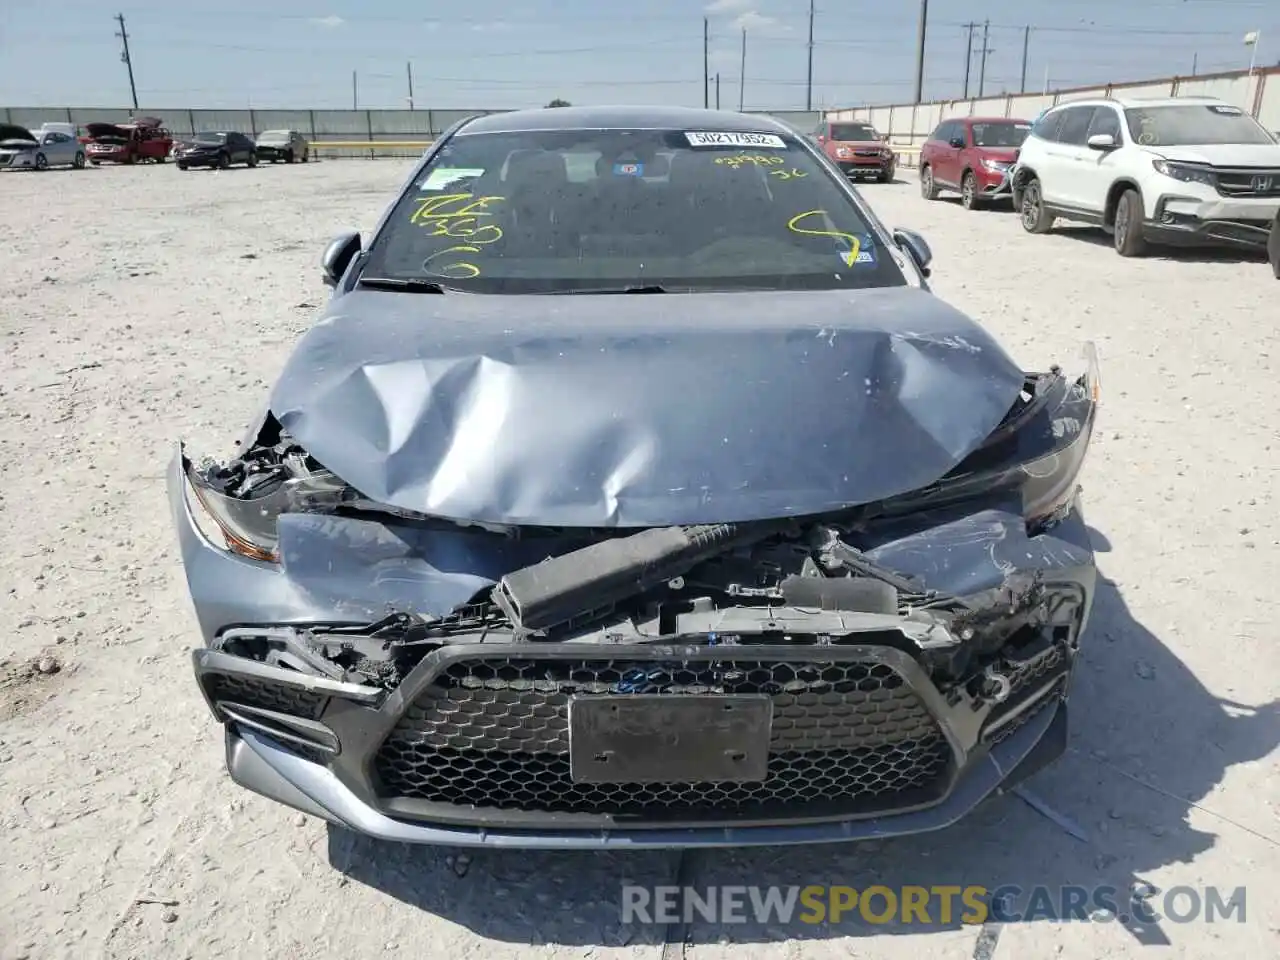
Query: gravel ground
[{"x": 144, "y": 304}]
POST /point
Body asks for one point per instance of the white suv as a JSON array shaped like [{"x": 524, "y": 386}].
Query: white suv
[{"x": 1185, "y": 170}]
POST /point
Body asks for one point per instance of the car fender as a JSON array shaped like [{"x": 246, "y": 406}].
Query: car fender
[{"x": 1118, "y": 187}]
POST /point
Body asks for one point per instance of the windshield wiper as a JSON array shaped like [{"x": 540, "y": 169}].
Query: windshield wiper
[
  {"x": 635, "y": 288},
  {"x": 411, "y": 285}
]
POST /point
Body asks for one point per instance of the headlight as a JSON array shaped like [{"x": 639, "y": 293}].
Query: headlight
[
  {"x": 995, "y": 166},
  {"x": 247, "y": 520},
  {"x": 1183, "y": 172},
  {"x": 844, "y": 153}
]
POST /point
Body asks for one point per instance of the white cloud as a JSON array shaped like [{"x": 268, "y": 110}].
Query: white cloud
[
  {"x": 755, "y": 22},
  {"x": 491, "y": 26},
  {"x": 727, "y": 6},
  {"x": 331, "y": 21}
]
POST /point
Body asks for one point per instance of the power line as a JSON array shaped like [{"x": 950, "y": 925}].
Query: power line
[{"x": 123, "y": 34}]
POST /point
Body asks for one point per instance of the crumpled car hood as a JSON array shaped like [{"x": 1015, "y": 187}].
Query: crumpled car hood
[{"x": 634, "y": 411}]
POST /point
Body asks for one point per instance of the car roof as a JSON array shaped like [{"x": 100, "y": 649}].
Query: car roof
[
  {"x": 990, "y": 119},
  {"x": 1138, "y": 102},
  {"x": 636, "y": 117}
]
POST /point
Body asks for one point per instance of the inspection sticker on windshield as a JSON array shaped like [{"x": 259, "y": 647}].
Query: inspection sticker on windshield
[
  {"x": 441, "y": 177},
  {"x": 628, "y": 169},
  {"x": 728, "y": 139}
]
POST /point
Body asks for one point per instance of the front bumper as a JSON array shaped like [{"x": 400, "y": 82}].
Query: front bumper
[
  {"x": 444, "y": 757},
  {"x": 995, "y": 184},
  {"x": 17, "y": 161},
  {"x": 867, "y": 166},
  {"x": 1194, "y": 221},
  {"x": 196, "y": 159}
]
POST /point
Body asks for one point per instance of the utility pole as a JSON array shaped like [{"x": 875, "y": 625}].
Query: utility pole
[
  {"x": 355, "y": 98},
  {"x": 408, "y": 66},
  {"x": 706, "y": 61},
  {"x": 742, "y": 72},
  {"x": 126, "y": 59},
  {"x": 1195, "y": 61},
  {"x": 1026, "y": 43},
  {"x": 924, "y": 25},
  {"x": 808, "y": 96},
  {"x": 968, "y": 56},
  {"x": 982, "y": 67},
  {"x": 717, "y": 91}
]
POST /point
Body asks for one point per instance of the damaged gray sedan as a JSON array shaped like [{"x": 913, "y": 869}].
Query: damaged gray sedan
[{"x": 635, "y": 491}]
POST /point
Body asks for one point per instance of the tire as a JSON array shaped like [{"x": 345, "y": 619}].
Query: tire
[
  {"x": 288, "y": 157},
  {"x": 181, "y": 165},
  {"x": 1273, "y": 247},
  {"x": 1035, "y": 218},
  {"x": 252, "y": 161},
  {"x": 970, "y": 198},
  {"x": 95, "y": 162},
  {"x": 160, "y": 159},
  {"x": 78, "y": 163},
  {"x": 306, "y": 155},
  {"x": 885, "y": 176},
  {"x": 130, "y": 159},
  {"x": 42, "y": 162},
  {"x": 223, "y": 161},
  {"x": 928, "y": 189},
  {"x": 1127, "y": 234}
]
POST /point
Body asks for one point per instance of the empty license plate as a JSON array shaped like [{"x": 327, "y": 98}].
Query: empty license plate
[{"x": 654, "y": 738}]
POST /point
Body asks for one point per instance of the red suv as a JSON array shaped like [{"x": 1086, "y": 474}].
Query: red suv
[
  {"x": 141, "y": 139},
  {"x": 972, "y": 155},
  {"x": 857, "y": 149}
]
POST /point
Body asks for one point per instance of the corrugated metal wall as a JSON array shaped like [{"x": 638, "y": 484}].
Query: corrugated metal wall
[{"x": 909, "y": 125}]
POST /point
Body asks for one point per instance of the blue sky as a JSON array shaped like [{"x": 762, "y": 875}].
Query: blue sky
[{"x": 514, "y": 53}]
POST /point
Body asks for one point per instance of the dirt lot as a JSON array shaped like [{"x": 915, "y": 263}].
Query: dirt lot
[{"x": 144, "y": 304}]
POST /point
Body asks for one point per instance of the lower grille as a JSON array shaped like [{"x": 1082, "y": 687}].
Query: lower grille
[
  {"x": 1026, "y": 678},
  {"x": 848, "y": 738},
  {"x": 253, "y": 692}
]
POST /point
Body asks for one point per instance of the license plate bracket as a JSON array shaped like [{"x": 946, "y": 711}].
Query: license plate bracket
[{"x": 656, "y": 738}]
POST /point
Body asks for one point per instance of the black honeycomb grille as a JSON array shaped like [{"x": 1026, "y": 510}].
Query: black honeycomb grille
[
  {"x": 253, "y": 692},
  {"x": 847, "y": 737}
]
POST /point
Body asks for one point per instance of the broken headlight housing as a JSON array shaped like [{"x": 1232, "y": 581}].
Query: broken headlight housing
[{"x": 244, "y": 498}]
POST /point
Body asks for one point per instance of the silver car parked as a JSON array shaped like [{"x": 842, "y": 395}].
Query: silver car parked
[
  {"x": 22, "y": 149},
  {"x": 286, "y": 145}
]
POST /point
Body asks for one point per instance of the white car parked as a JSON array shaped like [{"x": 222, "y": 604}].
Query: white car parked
[
  {"x": 1187, "y": 170},
  {"x": 47, "y": 147}
]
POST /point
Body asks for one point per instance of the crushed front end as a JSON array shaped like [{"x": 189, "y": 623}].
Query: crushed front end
[{"x": 870, "y": 671}]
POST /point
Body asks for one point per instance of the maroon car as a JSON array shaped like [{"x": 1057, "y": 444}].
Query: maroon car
[
  {"x": 973, "y": 156},
  {"x": 857, "y": 149},
  {"x": 142, "y": 139}
]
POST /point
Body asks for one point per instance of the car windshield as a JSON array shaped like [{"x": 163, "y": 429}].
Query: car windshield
[
  {"x": 1009, "y": 134},
  {"x": 274, "y": 135},
  {"x": 210, "y": 137},
  {"x": 855, "y": 132},
  {"x": 569, "y": 211},
  {"x": 1193, "y": 124}
]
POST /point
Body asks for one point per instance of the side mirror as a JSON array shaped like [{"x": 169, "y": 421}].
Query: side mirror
[
  {"x": 821, "y": 138},
  {"x": 957, "y": 142},
  {"x": 338, "y": 255},
  {"x": 916, "y": 247},
  {"x": 1102, "y": 141}
]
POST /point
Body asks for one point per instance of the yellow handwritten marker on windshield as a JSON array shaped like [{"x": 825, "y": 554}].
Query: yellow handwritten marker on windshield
[{"x": 855, "y": 245}]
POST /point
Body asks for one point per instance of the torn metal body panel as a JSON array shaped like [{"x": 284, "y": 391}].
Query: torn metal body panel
[{"x": 586, "y": 571}]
